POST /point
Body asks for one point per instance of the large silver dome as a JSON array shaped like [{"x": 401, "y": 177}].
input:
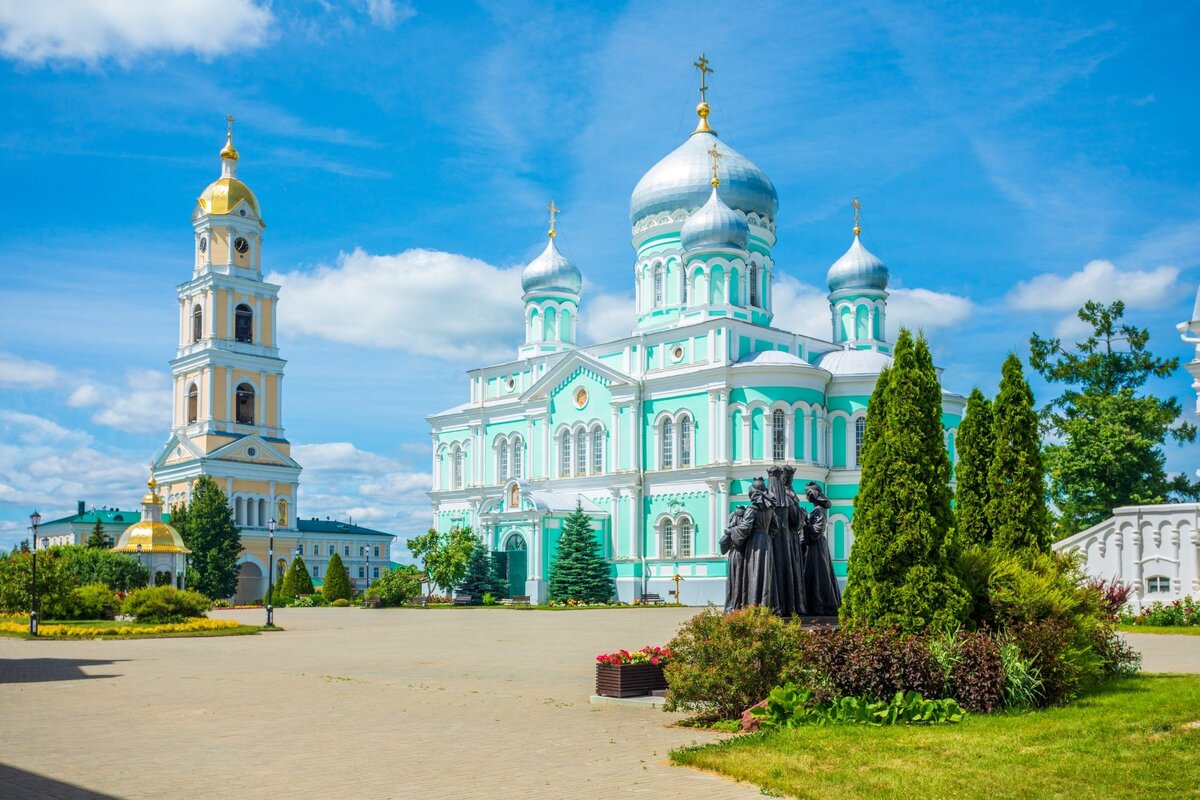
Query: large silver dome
[
  {"x": 681, "y": 182},
  {"x": 551, "y": 271},
  {"x": 714, "y": 225},
  {"x": 858, "y": 268}
]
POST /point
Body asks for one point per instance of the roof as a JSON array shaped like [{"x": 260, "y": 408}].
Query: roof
[
  {"x": 777, "y": 357},
  {"x": 106, "y": 517},
  {"x": 855, "y": 362},
  {"x": 563, "y": 501},
  {"x": 333, "y": 526}
]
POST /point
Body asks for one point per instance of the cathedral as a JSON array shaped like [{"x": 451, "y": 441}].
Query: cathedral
[{"x": 659, "y": 435}]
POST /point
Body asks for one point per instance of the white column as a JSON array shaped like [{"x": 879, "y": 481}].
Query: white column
[
  {"x": 614, "y": 516},
  {"x": 279, "y": 401},
  {"x": 614, "y": 449},
  {"x": 229, "y": 304},
  {"x": 714, "y": 522},
  {"x": 790, "y": 436},
  {"x": 230, "y": 390},
  {"x": 229, "y": 246},
  {"x": 185, "y": 319},
  {"x": 535, "y": 551},
  {"x": 258, "y": 321},
  {"x": 713, "y": 427},
  {"x": 546, "y": 450},
  {"x": 260, "y": 401},
  {"x": 809, "y": 456}
]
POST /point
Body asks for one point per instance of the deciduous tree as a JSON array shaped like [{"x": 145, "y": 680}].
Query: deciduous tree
[{"x": 444, "y": 556}]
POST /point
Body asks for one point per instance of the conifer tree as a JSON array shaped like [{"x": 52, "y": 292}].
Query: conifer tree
[
  {"x": 483, "y": 576},
  {"x": 337, "y": 580},
  {"x": 976, "y": 445},
  {"x": 98, "y": 538},
  {"x": 208, "y": 530},
  {"x": 1016, "y": 481},
  {"x": 899, "y": 571},
  {"x": 296, "y": 582},
  {"x": 579, "y": 571}
]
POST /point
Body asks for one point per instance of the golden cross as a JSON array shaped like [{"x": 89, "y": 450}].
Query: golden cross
[
  {"x": 702, "y": 65},
  {"x": 716, "y": 154},
  {"x": 229, "y": 125},
  {"x": 553, "y": 209},
  {"x": 857, "y": 206}
]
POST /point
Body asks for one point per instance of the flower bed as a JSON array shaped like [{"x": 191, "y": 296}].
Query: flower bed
[
  {"x": 1179, "y": 613},
  {"x": 119, "y": 629}
]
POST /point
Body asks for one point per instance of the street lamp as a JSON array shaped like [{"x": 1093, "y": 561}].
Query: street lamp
[
  {"x": 270, "y": 571},
  {"x": 368, "y": 585},
  {"x": 34, "y": 520}
]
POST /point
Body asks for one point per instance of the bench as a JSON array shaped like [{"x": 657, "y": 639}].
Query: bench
[
  {"x": 652, "y": 599},
  {"x": 520, "y": 600},
  {"x": 464, "y": 600},
  {"x": 371, "y": 602},
  {"x": 420, "y": 600}
]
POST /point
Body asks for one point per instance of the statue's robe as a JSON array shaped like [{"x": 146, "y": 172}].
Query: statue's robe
[
  {"x": 823, "y": 595},
  {"x": 789, "y": 580},
  {"x": 798, "y": 523},
  {"x": 733, "y": 546},
  {"x": 759, "y": 565}
]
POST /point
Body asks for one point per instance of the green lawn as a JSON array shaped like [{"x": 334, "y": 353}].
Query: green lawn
[
  {"x": 1136, "y": 738},
  {"x": 1176, "y": 630}
]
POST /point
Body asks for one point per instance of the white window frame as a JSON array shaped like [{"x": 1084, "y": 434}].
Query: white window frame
[
  {"x": 778, "y": 435},
  {"x": 666, "y": 444},
  {"x": 597, "y": 450}
]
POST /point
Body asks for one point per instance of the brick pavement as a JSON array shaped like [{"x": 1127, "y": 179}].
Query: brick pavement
[{"x": 347, "y": 703}]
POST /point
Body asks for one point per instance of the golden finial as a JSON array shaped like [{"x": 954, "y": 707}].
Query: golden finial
[
  {"x": 227, "y": 151},
  {"x": 553, "y": 209},
  {"x": 857, "y": 206},
  {"x": 702, "y": 109},
  {"x": 716, "y": 154},
  {"x": 153, "y": 484}
]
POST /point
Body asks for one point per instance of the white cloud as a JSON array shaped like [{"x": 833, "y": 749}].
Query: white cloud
[
  {"x": 1099, "y": 280},
  {"x": 800, "y": 307},
  {"x": 17, "y": 372},
  {"x": 420, "y": 301},
  {"x": 923, "y": 309},
  {"x": 93, "y": 30},
  {"x": 385, "y": 13},
  {"x": 605, "y": 317},
  {"x": 141, "y": 405}
]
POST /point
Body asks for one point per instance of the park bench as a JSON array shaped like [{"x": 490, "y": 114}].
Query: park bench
[
  {"x": 421, "y": 600},
  {"x": 652, "y": 599},
  {"x": 520, "y": 600},
  {"x": 464, "y": 600}
]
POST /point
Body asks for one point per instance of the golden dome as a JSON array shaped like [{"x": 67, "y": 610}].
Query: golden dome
[
  {"x": 228, "y": 150},
  {"x": 223, "y": 194},
  {"x": 154, "y": 537}
]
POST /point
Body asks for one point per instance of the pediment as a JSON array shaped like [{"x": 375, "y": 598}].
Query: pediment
[
  {"x": 252, "y": 449},
  {"x": 569, "y": 368}
]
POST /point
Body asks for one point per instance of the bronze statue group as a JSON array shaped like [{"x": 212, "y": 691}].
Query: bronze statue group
[{"x": 778, "y": 552}]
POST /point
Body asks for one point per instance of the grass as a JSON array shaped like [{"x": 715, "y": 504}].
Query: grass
[
  {"x": 99, "y": 624},
  {"x": 1174, "y": 630},
  {"x": 1135, "y": 738}
]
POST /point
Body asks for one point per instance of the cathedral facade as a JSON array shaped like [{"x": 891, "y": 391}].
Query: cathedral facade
[{"x": 658, "y": 435}]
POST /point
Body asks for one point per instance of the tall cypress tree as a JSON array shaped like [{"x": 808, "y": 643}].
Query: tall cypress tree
[
  {"x": 579, "y": 571},
  {"x": 899, "y": 571},
  {"x": 337, "y": 580},
  {"x": 1016, "y": 480},
  {"x": 215, "y": 541},
  {"x": 98, "y": 538},
  {"x": 976, "y": 444}
]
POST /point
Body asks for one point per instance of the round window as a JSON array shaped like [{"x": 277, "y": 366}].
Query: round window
[
  {"x": 677, "y": 353},
  {"x": 511, "y": 384},
  {"x": 581, "y": 397},
  {"x": 252, "y": 452}
]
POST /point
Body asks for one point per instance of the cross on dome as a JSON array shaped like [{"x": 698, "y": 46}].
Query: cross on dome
[
  {"x": 553, "y": 209},
  {"x": 702, "y": 65},
  {"x": 228, "y": 150},
  {"x": 857, "y": 207},
  {"x": 716, "y": 154}
]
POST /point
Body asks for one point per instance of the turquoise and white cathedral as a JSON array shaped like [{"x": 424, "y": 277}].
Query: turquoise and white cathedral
[{"x": 658, "y": 435}]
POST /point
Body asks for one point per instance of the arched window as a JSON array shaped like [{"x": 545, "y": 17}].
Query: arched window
[
  {"x": 243, "y": 324},
  {"x": 667, "y": 445},
  {"x": 549, "y": 325},
  {"x": 517, "y": 447},
  {"x": 581, "y": 452},
  {"x": 685, "y": 442},
  {"x": 197, "y": 323},
  {"x": 685, "y": 538},
  {"x": 778, "y": 436},
  {"x": 860, "y": 429},
  {"x": 503, "y": 460},
  {"x": 245, "y": 404},
  {"x": 193, "y": 404},
  {"x": 564, "y": 458},
  {"x": 659, "y": 285},
  {"x": 456, "y": 479},
  {"x": 597, "y": 451},
  {"x": 754, "y": 285},
  {"x": 262, "y": 513},
  {"x": 668, "y": 539}
]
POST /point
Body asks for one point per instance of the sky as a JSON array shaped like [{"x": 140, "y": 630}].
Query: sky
[{"x": 1012, "y": 163}]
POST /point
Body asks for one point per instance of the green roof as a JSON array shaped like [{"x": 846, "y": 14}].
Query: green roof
[
  {"x": 106, "y": 517},
  {"x": 333, "y": 526}
]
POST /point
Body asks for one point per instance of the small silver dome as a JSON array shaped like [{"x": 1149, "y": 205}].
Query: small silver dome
[
  {"x": 551, "y": 271},
  {"x": 855, "y": 362},
  {"x": 681, "y": 182},
  {"x": 714, "y": 225},
  {"x": 858, "y": 269}
]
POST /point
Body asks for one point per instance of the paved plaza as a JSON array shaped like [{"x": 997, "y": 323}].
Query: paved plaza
[{"x": 461, "y": 703}]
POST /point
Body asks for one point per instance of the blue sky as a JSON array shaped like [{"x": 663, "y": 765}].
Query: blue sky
[{"x": 1011, "y": 165}]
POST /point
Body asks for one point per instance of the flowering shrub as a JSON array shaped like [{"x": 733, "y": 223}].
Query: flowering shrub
[
  {"x": 1177, "y": 613},
  {"x": 117, "y": 629},
  {"x": 1113, "y": 595},
  {"x": 647, "y": 655}
]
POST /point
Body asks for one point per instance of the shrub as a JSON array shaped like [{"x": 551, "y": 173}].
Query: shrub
[
  {"x": 119, "y": 571},
  {"x": 395, "y": 587},
  {"x": 314, "y": 600},
  {"x": 489, "y": 599},
  {"x": 1113, "y": 596},
  {"x": 1022, "y": 681},
  {"x": 341, "y": 602},
  {"x": 165, "y": 604},
  {"x": 976, "y": 676},
  {"x": 789, "y": 707},
  {"x": 1065, "y": 664},
  {"x": 722, "y": 665},
  {"x": 337, "y": 581},
  {"x": 54, "y": 583},
  {"x": 861, "y": 662},
  {"x": 1185, "y": 611},
  {"x": 93, "y": 601}
]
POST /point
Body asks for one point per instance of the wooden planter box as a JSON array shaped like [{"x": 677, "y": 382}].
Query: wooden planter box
[{"x": 629, "y": 680}]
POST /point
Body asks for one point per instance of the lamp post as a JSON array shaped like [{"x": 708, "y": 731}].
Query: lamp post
[
  {"x": 34, "y": 519},
  {"x": 270, "y": 572},
  {"x": 368, "y": 583}
]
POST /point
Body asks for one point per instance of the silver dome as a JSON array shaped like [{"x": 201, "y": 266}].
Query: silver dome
[
  {"x": 714, "y": 225},
  {"x": 551, "y": 271},
  {"x": 858, "y": 269},
  {"x": 855, "y": 362},
  {"x": 681, "y": 181}
]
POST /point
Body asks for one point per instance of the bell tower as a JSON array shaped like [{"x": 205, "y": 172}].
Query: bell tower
[{"x": 227, "y": 375}]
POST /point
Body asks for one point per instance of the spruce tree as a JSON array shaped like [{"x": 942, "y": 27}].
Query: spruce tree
[
  {"x": 98, "y": 538},
  {"x": 976, "y": 445},
  {"x": 899, "y": 571},
  {"x": 483, "y": 576},
  {"x": 215, "y": 541},
  {"x": 1016, "y": 481},
  {"x": 296, "y": 582},
  {"x": 579, "y": 571},
  {"x": 337, "y": 580}
]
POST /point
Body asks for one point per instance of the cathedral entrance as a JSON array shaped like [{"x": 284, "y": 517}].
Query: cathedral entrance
[
  {"x": 250, "y": 585},
  {"x": 517, "y": 558}
]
